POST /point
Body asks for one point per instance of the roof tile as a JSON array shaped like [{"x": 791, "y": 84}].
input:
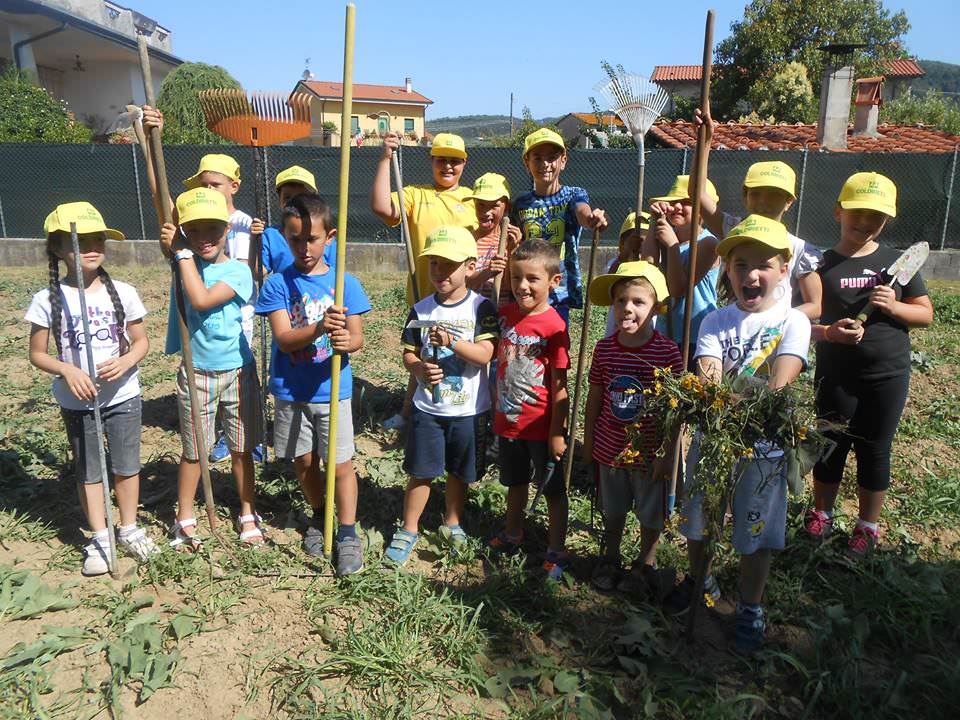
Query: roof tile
[{"x": 390, "y": 93}]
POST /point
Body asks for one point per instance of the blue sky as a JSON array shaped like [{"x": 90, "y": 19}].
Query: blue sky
[{"x": 468, "y": 56}]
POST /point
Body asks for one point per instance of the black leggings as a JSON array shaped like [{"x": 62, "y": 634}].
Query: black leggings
[{"x": 872, "y": 409}]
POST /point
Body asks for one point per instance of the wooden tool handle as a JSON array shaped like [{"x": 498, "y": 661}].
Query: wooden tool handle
[{"x": 501, "y": 251}]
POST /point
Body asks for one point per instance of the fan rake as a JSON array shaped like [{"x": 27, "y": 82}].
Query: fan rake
[
  {"x": 638, "y": 103},
  {"x": 257, "y": 120}
]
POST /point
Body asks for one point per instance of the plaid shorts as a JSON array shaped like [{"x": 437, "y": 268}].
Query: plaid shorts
[{"x": 231, "y": 395}]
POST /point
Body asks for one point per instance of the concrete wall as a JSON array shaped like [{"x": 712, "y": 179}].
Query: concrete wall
[{"x": 364, "y": 257}]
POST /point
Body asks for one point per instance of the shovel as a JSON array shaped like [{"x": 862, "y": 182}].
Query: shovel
[{"x": 901, "y": 272}]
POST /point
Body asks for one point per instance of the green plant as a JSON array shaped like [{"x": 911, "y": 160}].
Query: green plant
[
  {"x": 785, "y": 93},
  {"x": 178, "y": 100},
  {"x": 30, "y": 114},
  {"x": 931, "y": 108}
]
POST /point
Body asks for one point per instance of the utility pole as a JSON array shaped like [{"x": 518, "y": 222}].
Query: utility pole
[{"x": 511, "y": 113}]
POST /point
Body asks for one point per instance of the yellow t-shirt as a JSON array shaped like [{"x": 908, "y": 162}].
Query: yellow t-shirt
[{"x": 427, "y": 209}]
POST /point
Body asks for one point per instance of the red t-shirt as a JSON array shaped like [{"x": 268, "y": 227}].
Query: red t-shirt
[
  {"x": 623, "y": 373},
  {"x": 530, "y": 347}
]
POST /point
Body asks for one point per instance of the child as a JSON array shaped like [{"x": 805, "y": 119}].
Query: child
[
  {"x": 532, "y": 403},
  {"x": 449, "y": 362},
  {"x": 275, "y": 253},
  {"x": 770, "y": 189},
  {"x": 119, "y": 343},
  {"x": 491, "y": 196},
  {"x": 307, "y": 329},
  {"x": 757, "y": 253},
  {"x": 215, "y": 288},
  {"x": 668, "y": 241},
  {"x": 555, "y": 213},
  {"x": 622, "y": 368},
  {"x": 863, "y": 372},
  {"x": 628, "y": 250}
]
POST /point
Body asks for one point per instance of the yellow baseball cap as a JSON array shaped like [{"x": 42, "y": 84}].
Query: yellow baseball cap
[
  {"x": 679, "y": 191},
  {"x": 541, "y": 137},
  {"x": 85, "y": 215},
  {"x": 869, "y": 191},
  {"x": 223, "y": 164},
  {"x": 630, "y": 222},
  {"x": 772, "y": 174},
  {"x": 296, "y": 174},
  {"x": 489, "y": 187},
  {"x": 601, "y": 288},
  {"x": 201, "y": 204},
  {"x": 448, "y": 145},
  {"x": 451, "y": 242},
  {"x": 757, "y": 228}
]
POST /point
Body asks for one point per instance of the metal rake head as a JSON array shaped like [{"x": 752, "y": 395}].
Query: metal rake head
[
  {"x": 257, "y": 120},
  {"x": 636, "y": 101}
]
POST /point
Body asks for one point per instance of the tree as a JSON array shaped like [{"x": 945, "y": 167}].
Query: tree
[
  {"x": 527, "y": 126},
  {"x": 932, "y": 108},
  {"x": 183, "y": 118},
  {"x": 786, "y": 94},
  {"x": 30, "y": 114},
  {"x": 774, "y": 32}
]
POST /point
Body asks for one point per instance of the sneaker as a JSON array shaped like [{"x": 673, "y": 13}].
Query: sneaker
[
  {"x": 555, "y": 563},
  {"x": 258, "y": 453},
  {"x": 749, "y": 628},
  {"x": 313, "y": 541},
  {"x": 95, "y": 561},
  {"x": 641, "y": 579},
  {"x": 679, "y": 598},
  {"x": 401, "y": 545},
  {"x": 503, "y": 544},
  {"x": 394, "y": 423},
  {"x": 219, "y": 452},
  {"x": 862, "y": 542},
  {"x": 606, "y": 574},
  {"x": 454, "y": 537},
  {"x": 349, "y": 555},
  {"x": 817, "y": 525},
  {"x": 138, "y": 544}
]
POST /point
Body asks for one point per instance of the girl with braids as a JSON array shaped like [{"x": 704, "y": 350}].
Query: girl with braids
[{"x": 119, "y": 342}]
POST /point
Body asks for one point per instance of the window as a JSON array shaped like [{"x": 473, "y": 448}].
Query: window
[
  {"x": 408, "y": 125},
  {"x": 354, "y": 124}
]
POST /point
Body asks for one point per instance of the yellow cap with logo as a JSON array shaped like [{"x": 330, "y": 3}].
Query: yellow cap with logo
[
  {"x": 87, "y": 218},
  {"x": 296, "y": 174},
  {"x": 757, "y": 228},
  {"x": 541, "y": 137},
  {"x": 630, "y": 222},
  {"x": 601, "y": 288},
  {"x": 451, "y": 242},
  {"x": 490, "y": 187},
  {"x": 869, "y": 191},
  {"x": 223, "y": 164},
  {"x": 772, "y": 174},
  {"x": 201, "y": 204},
  {"x": 448, "y": 145},
  {"x": 679, "y": 191}
]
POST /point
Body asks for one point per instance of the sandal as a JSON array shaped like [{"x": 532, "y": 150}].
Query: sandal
[
  {"x": 182, "y": 541},
  {"x": 401, "y": 545},
  {"x": 502, "y": 544},
  {"x": 250, "y": 537}
]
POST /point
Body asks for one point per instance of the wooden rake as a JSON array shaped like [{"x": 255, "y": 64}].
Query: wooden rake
[{"x": 257, "y": 120}]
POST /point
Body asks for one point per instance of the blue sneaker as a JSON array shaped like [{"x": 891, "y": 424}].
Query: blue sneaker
[
  {"x": 749, "y": 629},
  {"x": 555, "y": 563},
  {"x": 220, "y": 452},
  {"x": 258, "y": 453},
  {"x": 401, "y": 545}
]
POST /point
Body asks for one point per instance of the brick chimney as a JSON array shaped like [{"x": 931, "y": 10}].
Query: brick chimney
[
  {"x": 869, "y": 99},
  {"x": 835, "y": 91},
  {"x": 409, "y": 84}
]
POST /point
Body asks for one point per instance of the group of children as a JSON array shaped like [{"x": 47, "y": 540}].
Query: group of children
[{"x": 471, "y": 355}]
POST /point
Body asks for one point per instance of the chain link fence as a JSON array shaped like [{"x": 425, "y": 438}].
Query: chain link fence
[{"x": 36, "y": 177}]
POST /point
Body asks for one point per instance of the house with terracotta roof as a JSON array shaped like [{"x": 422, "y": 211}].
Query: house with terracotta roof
[
  {"x": 377, "y": 109},
  {"x": 569, "y": 126}
]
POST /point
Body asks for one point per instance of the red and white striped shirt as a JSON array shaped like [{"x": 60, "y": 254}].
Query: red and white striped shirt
[{"x": 623, "y": 373}]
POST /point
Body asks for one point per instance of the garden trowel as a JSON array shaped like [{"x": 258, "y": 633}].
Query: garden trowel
[{"x": 901, "y": 272}]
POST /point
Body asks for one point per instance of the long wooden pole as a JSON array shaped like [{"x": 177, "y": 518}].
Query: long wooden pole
[
  {"x": 405, "y": 229},
  {"x": 342, "y": 207},
  {"x": 501, "y": 251},
  {"x": 698, "y": 182},
  {"x": 186, "y": 354}
]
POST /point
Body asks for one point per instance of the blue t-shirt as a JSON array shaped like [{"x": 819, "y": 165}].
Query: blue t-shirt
[
  {"x": 276, "y": 256},
  {"x": 216, "y": 336},
  {"x": 554, "y": 218},
  {"x": 704, "y": 300},
  {"x": 304, "y": 375}
]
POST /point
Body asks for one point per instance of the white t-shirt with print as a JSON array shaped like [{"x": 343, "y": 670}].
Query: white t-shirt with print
[
  {"x": 105, "y": 342},
  {"x": 238, "y": 248},
  {"x": 804, "y": 259}
]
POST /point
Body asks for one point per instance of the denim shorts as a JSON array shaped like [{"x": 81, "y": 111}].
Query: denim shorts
[
  {"x": 302, "y": 427},
  {"x": 524, "y": 460},
  {"x": 121, "y": 426},
  {"x": 438, "y": 445}
]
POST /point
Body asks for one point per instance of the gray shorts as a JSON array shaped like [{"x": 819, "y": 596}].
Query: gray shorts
[
  {"x": 231, "y": 395},
  {"x": 759, "y": 505},
  {"x": 300, "y": 428},
  {"x": 626, "y": 489},
  {"x": 121, "y": 425}
]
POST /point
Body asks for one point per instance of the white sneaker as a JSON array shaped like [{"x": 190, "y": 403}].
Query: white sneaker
[
  {"x": 95, "y": 560},
  {"x": 139, "y": 545},
  {"x": 394, "y": 423}
]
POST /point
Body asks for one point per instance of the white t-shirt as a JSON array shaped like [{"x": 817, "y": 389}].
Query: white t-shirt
[
  {"x": 105, "y": 342},
  {"x": 238, "y": 248},
  {"x": 740, "y": 339},
  {"x": 804, "y": 259}
]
